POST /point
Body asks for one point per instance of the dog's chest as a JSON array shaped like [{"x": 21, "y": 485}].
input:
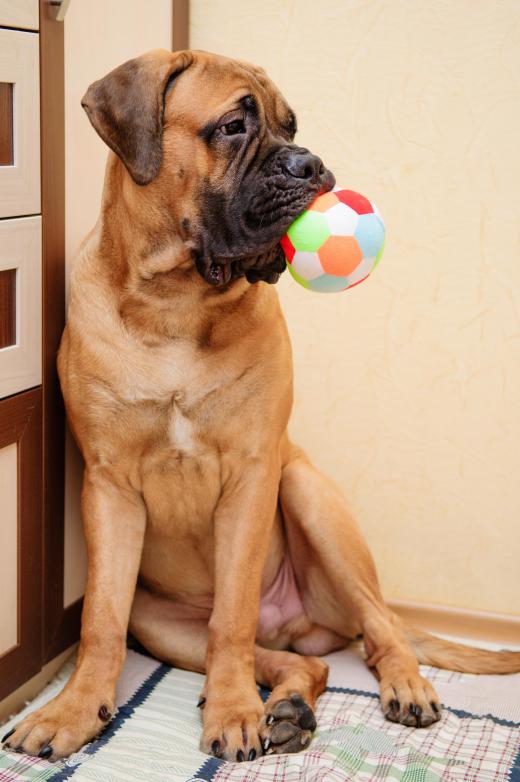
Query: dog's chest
[
  {"x": 180, "y": 431},
  {"x": 175, "y": 392}
]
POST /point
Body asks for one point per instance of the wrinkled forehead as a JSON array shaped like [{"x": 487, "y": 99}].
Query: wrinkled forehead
[{"x": 213, "y": 85}]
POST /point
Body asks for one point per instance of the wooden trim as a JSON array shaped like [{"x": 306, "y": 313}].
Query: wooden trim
[
  {"x": 61, "y": 627},
  {"x": 6, "y": 124},
  {"x": 180, "y": 24},
  {"x": 20, "y": 422},
  {"x": 7, "y": 307},
  {"x": 461, "y": 622}
]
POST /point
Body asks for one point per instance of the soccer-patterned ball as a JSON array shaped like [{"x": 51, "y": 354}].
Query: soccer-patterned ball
[{"x": 336, "y": 242}]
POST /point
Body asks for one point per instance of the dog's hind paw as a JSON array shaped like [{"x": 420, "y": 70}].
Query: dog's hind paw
[
  {"x": 287, "y": 726},
  {"x": 412, "y": 701}
]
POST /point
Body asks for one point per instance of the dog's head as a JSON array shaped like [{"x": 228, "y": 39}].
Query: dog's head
[{"x": 211, "y": 141}]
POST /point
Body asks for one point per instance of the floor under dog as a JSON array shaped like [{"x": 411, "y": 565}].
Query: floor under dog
[{"x": 154, "y": 735}]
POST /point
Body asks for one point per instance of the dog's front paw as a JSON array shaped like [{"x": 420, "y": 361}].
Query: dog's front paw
[
  {"x": 61, "y": 727},
  {"x": 231, "y": 720}
]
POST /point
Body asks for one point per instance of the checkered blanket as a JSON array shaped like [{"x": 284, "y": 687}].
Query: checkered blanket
[{"x": 155, "y": 733}]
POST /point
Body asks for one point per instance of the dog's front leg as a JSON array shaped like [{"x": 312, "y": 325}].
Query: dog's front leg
[
  {"x": 114, "y": 520},
  {"x": 243, "y": 523}
]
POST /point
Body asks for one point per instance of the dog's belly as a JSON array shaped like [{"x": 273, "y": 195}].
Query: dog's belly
[{"x": 178, "y": 554}]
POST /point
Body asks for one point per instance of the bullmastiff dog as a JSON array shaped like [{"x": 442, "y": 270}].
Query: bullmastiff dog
[{"x": 209, "y": 533}]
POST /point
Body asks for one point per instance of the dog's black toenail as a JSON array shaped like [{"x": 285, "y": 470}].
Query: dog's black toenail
[
  {"x": 416, "y": 711},
  {"x": 252, "y": 754},
  {"x": 270, "y": 719},
  {"x": 104, "y": 713},
  {"x": 8, "y": 735},
  {"x": 215, "y": 747},
  {"x": 434, "y": 707},
  {"x": 307, "y": 719},
  {"x": 201, "y": 702},
  {"x": 266, "y": 744},
  {"x": 240, "y": 756},
  {"x": 45, "y": 752},
  {"x": 395, "y": 705}
]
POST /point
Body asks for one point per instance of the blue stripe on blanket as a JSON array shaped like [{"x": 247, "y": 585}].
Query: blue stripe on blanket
[
  {"x": 514, "y": 771},
  {"x": 123, "y": 713}
]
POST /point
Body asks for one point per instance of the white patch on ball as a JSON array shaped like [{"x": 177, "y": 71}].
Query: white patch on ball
[
  {"x": 341, "y": 219},
  {"x": 307, "y": 265}
]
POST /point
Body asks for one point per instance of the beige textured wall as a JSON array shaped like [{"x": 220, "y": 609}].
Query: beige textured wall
[
  {"x": 408, "y": 386},
  {"x": 99, "y": 35}
]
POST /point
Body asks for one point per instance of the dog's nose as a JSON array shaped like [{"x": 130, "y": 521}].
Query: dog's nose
[{"x": 302, "y": 164}]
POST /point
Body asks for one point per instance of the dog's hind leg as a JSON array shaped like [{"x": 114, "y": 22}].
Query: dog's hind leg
[
  {"x": 338, "y": 583},
  {"x": 167, "y": 631}
]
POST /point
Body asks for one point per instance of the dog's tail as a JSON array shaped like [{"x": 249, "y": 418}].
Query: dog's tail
[{"x": 431, "y": 650}]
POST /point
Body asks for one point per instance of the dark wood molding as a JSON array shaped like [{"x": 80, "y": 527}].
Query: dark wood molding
[
  {"x": 180, "y": 24},
  {"x": 20, "y": 423},
  {"x": 7, "y": 307},
  {"x": 6, "y": 124},
  {"x": 61, "y": 627}
]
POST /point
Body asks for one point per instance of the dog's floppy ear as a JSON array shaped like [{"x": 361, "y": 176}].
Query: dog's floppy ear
[{"x": 126, "y": 108}]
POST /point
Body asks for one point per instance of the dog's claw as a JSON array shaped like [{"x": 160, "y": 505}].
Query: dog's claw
[
  {"x": 215, "y": 748},
  {"x": 252, "y": 754},
  {"x": 240, "y": 756},
  {"x": 8, "y": 734},
  {"x": 201, "y": 702},
  {"x": 45, "y": 752},
  {"x": 104, "y": 713}
]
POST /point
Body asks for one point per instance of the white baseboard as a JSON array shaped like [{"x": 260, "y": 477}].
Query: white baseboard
[{"x": 460, "y": 622}]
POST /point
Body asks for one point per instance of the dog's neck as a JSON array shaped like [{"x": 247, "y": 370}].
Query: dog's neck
[{"x": 150, "y": 268}]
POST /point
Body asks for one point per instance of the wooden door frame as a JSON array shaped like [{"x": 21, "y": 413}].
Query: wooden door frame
[
  {"x": 61, "y": 625},
  {"x": 180, "y": 24}
]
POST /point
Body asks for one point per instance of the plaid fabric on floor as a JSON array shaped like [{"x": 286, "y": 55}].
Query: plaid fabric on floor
[{"x": 155, "y": 735}]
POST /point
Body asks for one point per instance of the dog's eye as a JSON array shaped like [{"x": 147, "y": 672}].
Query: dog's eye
[{"x": 234, "y": 127}]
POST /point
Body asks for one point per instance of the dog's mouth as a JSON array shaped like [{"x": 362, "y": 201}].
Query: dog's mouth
[
  {"x": 267, "y": 266},
  {"x": 250, "y": 247}
]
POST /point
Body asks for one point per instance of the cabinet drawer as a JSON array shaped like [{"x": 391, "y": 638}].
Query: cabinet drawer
[
  {"x": 19, "y": 13},
  {"x": 20, "y": 304},
  {"x": 19, "y": 123}
]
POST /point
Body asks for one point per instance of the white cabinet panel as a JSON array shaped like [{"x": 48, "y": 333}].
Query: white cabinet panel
[
  {"x": 20, "y": 180},
  {"x": 20, "y": 249},
  {"x": 20, "y": 13}
]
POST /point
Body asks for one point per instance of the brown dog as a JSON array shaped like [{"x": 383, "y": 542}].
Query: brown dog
[{"x": 176, "y": 372}]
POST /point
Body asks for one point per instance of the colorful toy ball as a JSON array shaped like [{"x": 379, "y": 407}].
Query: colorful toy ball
[{"x": 336, "y": 243}]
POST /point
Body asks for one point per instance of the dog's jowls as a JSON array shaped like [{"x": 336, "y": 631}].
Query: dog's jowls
[{"x": 176, "y": 371}]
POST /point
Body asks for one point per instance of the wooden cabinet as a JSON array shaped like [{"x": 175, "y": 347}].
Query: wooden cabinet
[
  {"x": 37, "y": 618},
  {"x": 21, "y": 571},
  {"x": 33, "y": 625}
]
